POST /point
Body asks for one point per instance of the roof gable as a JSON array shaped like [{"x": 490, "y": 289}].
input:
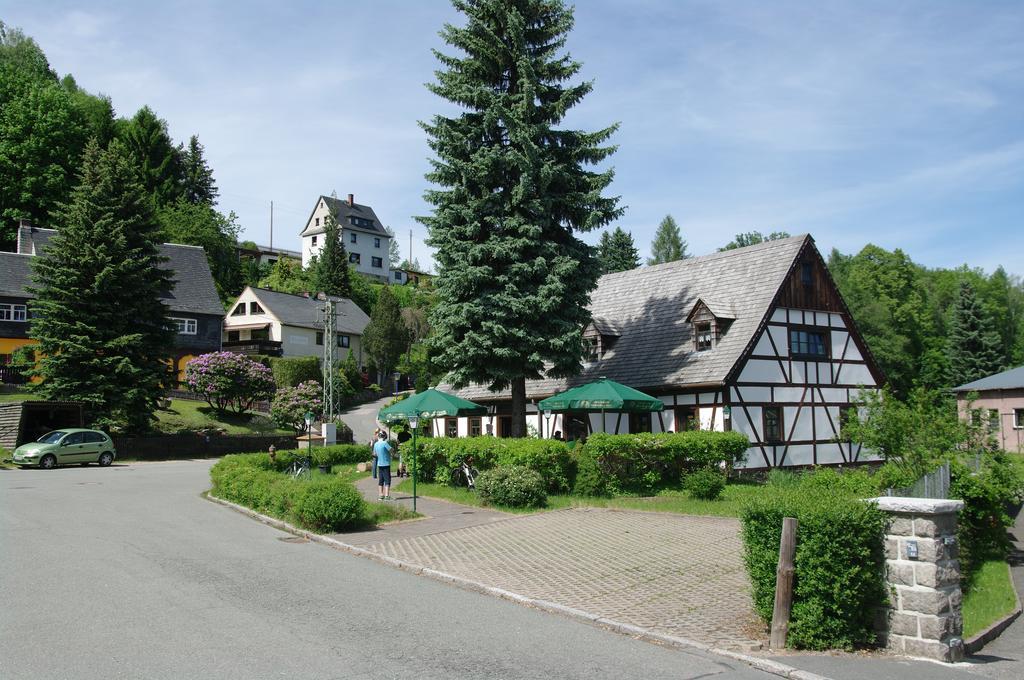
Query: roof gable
[
  {"x": 342, "y": 211},
  {"x": 305, "y": 312},
  {"x": 1012, "y": 379}
]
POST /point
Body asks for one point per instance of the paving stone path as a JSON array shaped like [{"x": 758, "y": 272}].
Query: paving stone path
[{"x": 681, "y": 575}]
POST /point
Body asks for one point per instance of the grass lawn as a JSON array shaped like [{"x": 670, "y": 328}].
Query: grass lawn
[
  {"x": 733, "y": 498},
  {"x": 187, "y": 415},
  {"x": 990, "y": 598},
  {"x": 20, "y": 395}
]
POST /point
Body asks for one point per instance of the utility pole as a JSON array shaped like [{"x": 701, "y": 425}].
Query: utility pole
[
  {"x": 330, "y": 358},
  {"x": 409, "y": 259},
  {"x": 271, "y": 225}
]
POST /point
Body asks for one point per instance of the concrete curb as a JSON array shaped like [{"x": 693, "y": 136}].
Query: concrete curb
[
  {"x": 978, "y": 642},
  {"x": 761, "y": 664}
]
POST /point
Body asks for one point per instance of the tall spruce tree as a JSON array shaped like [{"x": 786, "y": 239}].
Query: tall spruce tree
[
  {"x": 157, "y": 158},
  {"x": 974, "y": 346},
  {"x": 386, "y": 338},
  {"x": 97, "y": 317},
  {"x": 668, "y": 244},
  {"x": 330, "y": 272},
  {"x": 513, "y": 279},
  {"x": 617, "y": 252},
  {"x": 198, "y": 185}
]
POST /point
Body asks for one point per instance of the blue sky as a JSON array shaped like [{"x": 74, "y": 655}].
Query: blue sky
[{"x": 896, "y": 123}]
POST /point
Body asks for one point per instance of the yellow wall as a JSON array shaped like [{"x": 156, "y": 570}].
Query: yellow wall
[{"x": 8, "y": 345}]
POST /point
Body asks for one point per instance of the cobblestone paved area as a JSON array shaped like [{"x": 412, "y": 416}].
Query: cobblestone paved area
[{"x": 678, "y": 575}]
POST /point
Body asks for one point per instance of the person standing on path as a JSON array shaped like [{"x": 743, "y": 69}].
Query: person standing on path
[{"x": 382, "y": 452}]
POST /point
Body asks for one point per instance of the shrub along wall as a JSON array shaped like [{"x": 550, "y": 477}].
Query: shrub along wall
[
  {"x": 644, "y": 463},
  {"x": 290, "y": 371},
  {"x": 839, "y": 584},
  {"x": 255, "y": 481},
  {"x": 551, "y": 459}
]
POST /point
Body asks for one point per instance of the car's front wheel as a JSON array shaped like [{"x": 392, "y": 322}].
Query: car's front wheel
[
  {"x": 106, "y": 458},
  {"x": 48, "y": 462}
]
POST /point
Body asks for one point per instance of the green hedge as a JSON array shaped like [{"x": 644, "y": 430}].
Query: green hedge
[
  {"x": 839, "y": 584},
  {"x": 255, "y": 481},
  {"x": 644, "y": 463},
  {"x": 290, "y": 371},
  {"x": 514, "y": 486},
  {"x": 339, "y": 454},
  {"x": 551, "y": 459}
]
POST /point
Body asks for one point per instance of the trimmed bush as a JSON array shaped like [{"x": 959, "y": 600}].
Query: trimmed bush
[
  {"x": 514, "y": 486},
  {"x": 839, "y": 583},
  {"x": 643, "y": 463},
  {"x": 292, "y": 371},
  {"x": 551, "y": 459},
  {"x": 329, "y": 505},
  {"x": 705, "y": 485}
]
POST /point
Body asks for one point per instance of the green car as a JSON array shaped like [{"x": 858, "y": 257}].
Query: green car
[{"x": 62, "y": 447}]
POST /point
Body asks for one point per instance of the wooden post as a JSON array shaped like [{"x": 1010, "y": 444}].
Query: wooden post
[{"x": 784, "y": 584}]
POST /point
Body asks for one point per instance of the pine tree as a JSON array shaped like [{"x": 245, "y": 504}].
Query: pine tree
[
  {"x": 330, "y": 269},
  {"x": 157, "y": 158},
  {"x": 198, "y": 185},
  {"x": 394, "y": 254},
  {"x": 97, "y": 317},
  {"x": 668, "y": 245},
  {"x": 386, "y": 337},
  {"x": 617, "y": 252},
  {"x": 514, "y": 280},
  {"x": 974, "y": 346}
]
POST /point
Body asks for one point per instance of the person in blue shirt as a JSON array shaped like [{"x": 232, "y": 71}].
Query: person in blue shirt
[{"x": 382, "y": 452}]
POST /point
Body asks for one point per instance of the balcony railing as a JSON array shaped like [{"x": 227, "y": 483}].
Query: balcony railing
[{"x": 268, "y": 347}]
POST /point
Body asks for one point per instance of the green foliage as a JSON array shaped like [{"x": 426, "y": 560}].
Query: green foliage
[
  {"x": 291, "y": 404},
  {"x": 229, "y": 381},
  {"x": 752, "y": 238},
  {"x": 974, "y": 345},
  {"x": 197, "y": 184},
  {"x": 617, "y": 252},
  {"x": 329, "y": 505},
  {"x": 290, "y": 371},
  {"x": 706, "y": 484},
  {"x": 839, "y": 581},
  {"x": 255, "y": 481},
  {"x": 515, "y": 486},
  {"x": 329, "y": 272},
  {"x": 386, "y": 337},
  {"x": 984, "y": 520},
  {"x": 287, "y": 276},
  {"x": 157, "y": 159},
  {"x": 198, "y": 224},
  {"x": 364, "y": 291},
  {"x": 512, "y": 190},
  {"x": 644, "y": 463},
  {"x": 98, "y": 320},
  {"x": 668, "y": 245},
  {"x": 551, "y": 459},
  {"x": 590, "y": 478}
]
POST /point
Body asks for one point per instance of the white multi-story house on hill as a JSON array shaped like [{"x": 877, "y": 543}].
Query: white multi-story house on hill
[
  {"x": 756, "y": 340},
  {"x": 366, "y": 239}
]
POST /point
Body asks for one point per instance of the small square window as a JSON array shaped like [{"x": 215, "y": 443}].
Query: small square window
[
  {"x": 772, "y": 417},
  {"x": 398, "y": 275},
  {"x": 376, "y": 242},
  {"x": 353, "y": 238},
  {"x": 319, "y": 337},
  {"x": 353, "y": 258},
  {"x": 314, "y": 240},
  {"x": 805, "y": 343},
  {"x": 377, "y": 262},
  {"x": 704, "y": 335},
  {"x": 316, "y": 222},
  {"x": 474, "y": 427},
  {"x": 344, "y": 341},
  {"x": 184, "y": 326},
  {"x": 451, "y": 427}
]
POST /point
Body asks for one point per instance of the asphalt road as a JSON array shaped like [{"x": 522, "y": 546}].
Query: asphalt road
[{"x": 126, "y": 572}]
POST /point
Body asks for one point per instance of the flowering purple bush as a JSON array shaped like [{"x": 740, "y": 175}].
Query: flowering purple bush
[
  {"x": 292, "y": 403},
  {"x": 227, "y": 380}
]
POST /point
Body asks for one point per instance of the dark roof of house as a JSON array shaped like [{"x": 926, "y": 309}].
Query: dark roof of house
[
  {"x": 302, "y": 311},
  {"x": 1012, "y": 379},
  {"x": 194, "y": 290},
  {"x": 648, "y": 307},
  {"x": 342, "y": 211}
]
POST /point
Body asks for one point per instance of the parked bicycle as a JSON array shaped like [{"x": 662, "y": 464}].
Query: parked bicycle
[
  {"x": 300, "y": 467},
  {"x": 465, "y": 475}
]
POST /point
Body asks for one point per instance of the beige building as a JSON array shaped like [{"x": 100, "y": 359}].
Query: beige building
[
  {"x": 280, "y": 324},
  {"x": 999, "y": 404}
]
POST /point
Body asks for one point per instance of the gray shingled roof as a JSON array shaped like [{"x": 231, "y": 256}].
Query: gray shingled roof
[
  {"x": 302, "y": 311},
  {"x": 649, "y": 306},
  {"x": 194, "y": 290},
  {"x": 1012, "y": 379},
  {"x": 342, "y": 211}
]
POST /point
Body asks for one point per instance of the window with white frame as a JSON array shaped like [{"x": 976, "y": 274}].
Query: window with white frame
[
  {"x": 1018, "y": 418},
  {"x": 184, "y": 326},
  {"x": 314, "y": 240},
  {"x": 10, "y": 312}
]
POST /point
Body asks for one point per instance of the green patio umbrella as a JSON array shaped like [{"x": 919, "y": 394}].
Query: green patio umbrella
[
  {"x": 600, "y": 396},
  {"x": 427, "y": 404}
]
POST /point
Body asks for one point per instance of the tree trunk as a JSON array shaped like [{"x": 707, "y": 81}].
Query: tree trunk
[{"x": 519, "y": 406}]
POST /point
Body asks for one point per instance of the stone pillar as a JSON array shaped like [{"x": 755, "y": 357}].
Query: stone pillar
[{"x": 923, "y": 575}]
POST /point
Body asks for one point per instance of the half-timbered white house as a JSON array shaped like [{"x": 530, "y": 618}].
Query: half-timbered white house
[{"x": 756, "y": 340}]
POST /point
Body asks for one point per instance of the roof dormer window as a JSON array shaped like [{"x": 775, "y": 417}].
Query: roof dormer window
[
  {"x": 710, "y": 321},
  {"x": 704, "y": 334},
  {"x": 598, "y": 339}
]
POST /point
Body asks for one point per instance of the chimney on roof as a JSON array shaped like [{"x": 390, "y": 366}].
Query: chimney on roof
[
  {"x": 351, "y": 200},
  {"x": 25, "y": 223}
]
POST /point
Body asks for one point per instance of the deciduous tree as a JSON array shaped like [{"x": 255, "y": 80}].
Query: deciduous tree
[{"x": 668, "y": 244}]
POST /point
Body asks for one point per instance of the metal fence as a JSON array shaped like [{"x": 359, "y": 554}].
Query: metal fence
[{"x": 932, "y": 485}]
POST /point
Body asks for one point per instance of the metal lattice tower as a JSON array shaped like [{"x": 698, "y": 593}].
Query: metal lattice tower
[{"x": 330, "y": 358}]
